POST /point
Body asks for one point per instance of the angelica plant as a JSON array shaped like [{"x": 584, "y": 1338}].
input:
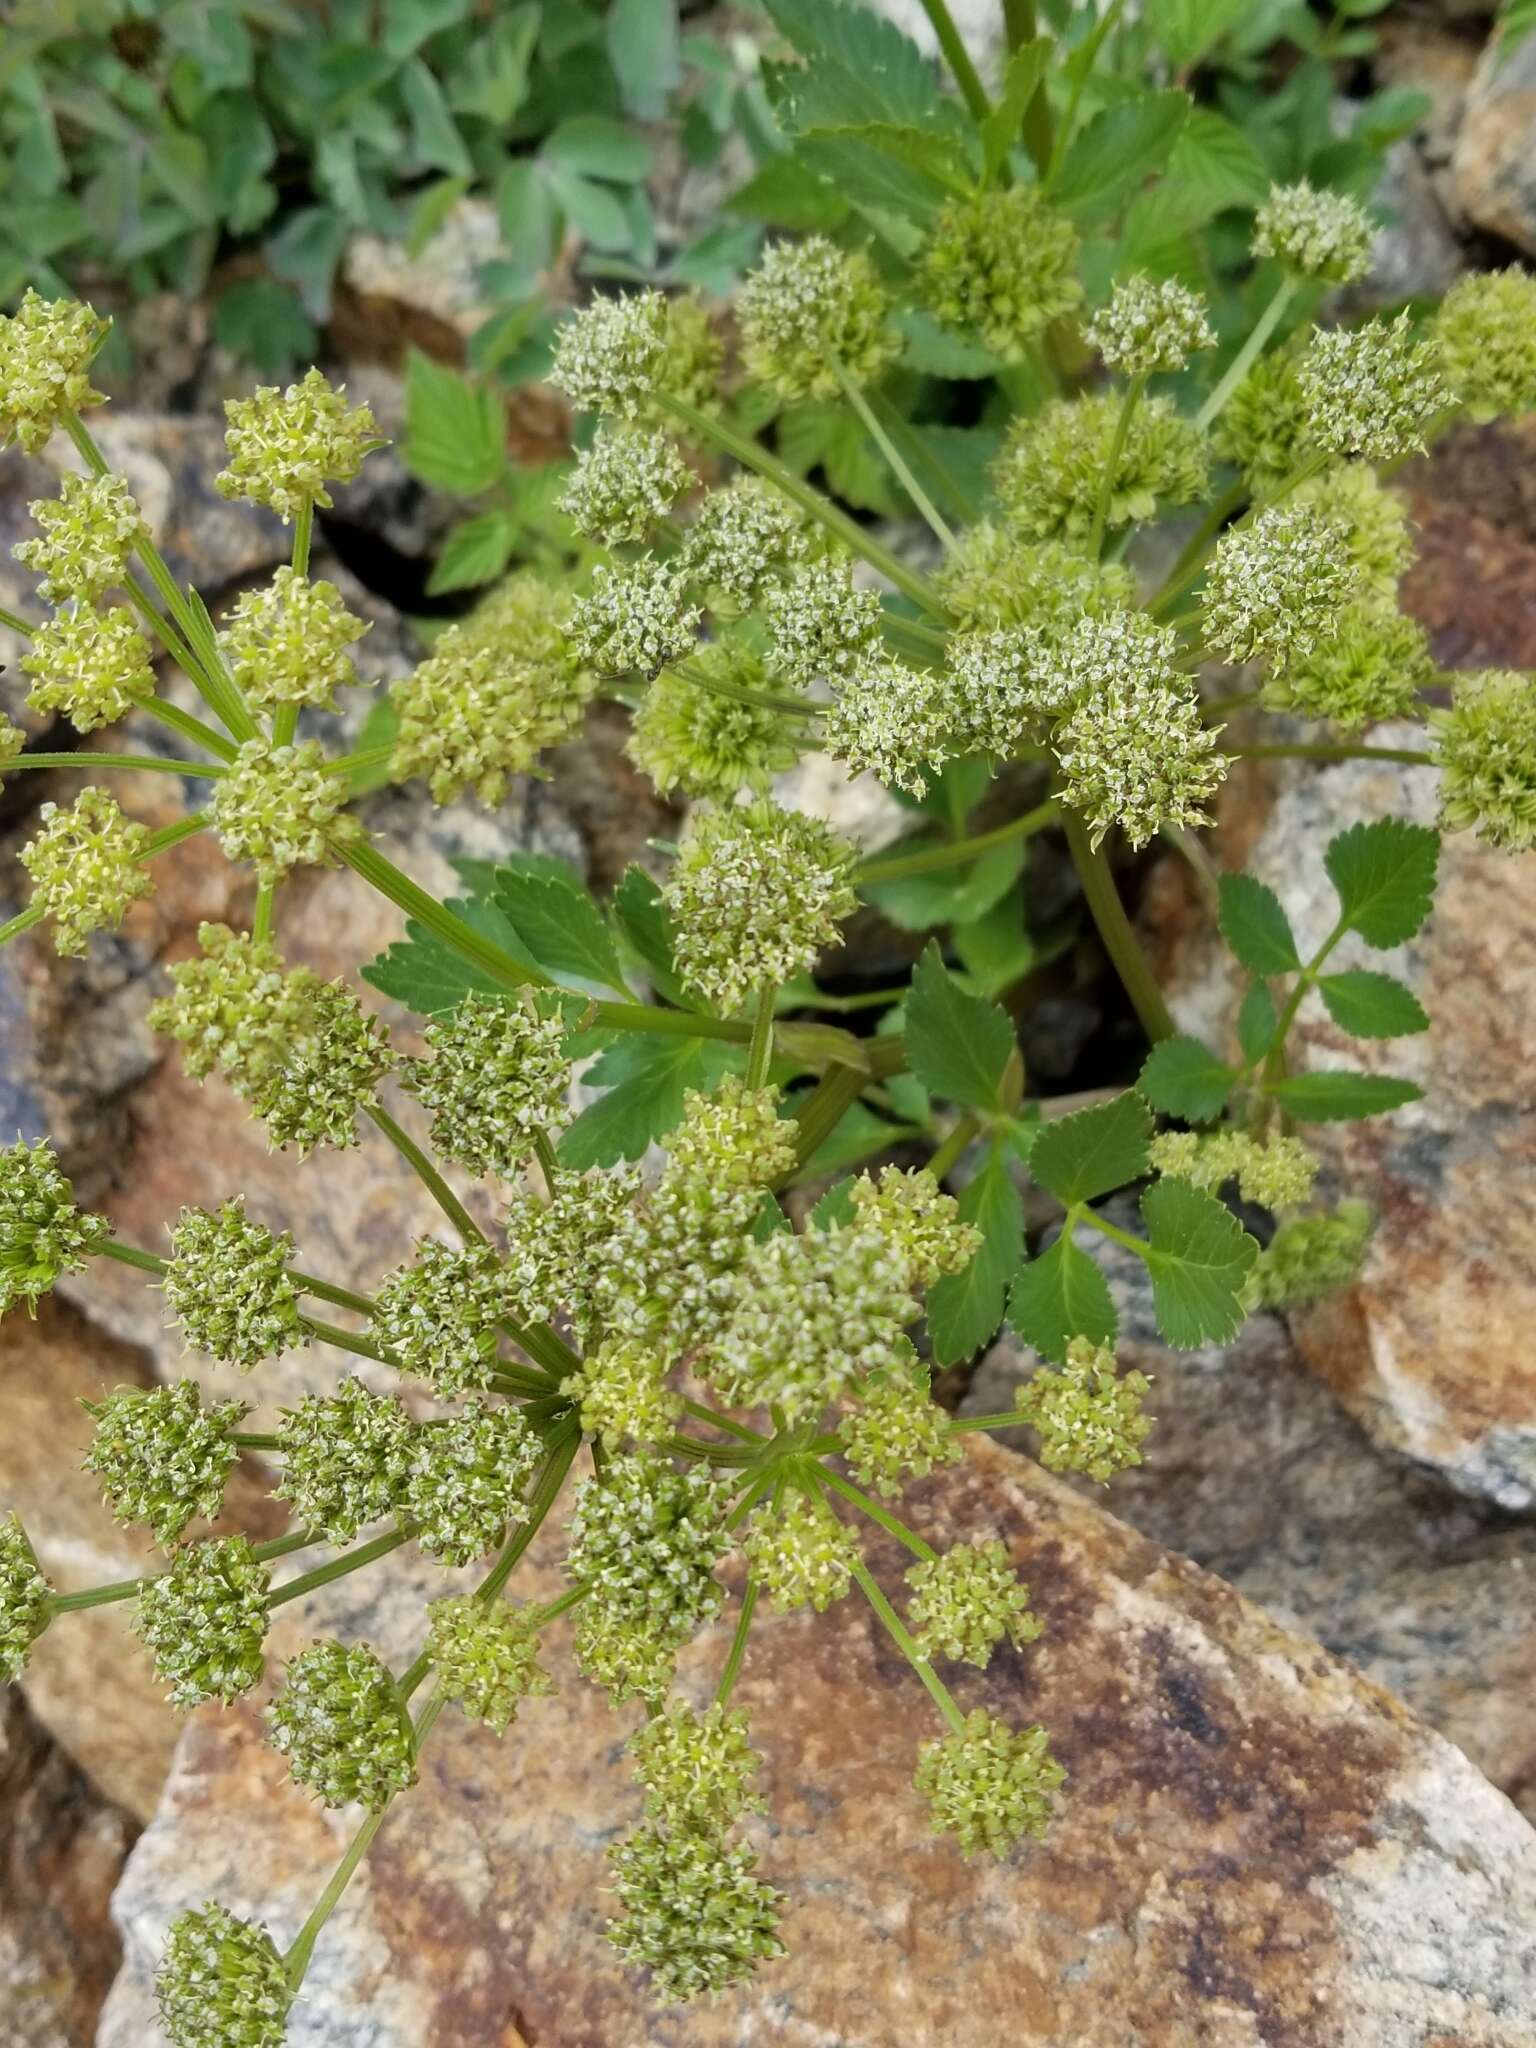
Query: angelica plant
[{"x": 706, "y": 1411}]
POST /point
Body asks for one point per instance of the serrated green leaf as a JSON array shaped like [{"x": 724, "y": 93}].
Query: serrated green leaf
[
  {"x": 475, "y": 551},
  {"x": 428, "y": 976},
  {"x": 1338, "y": 1096},
  {"x": 1021, "y": 81},
  {"x": 859, "y": 67},
  {"x": 1255, "y": 926},
  {"x": 1216, "y": 165},
  {"x": 1120, "y": 148},
  {"x": 1198, "y": 1256},
  {"x": 786, "y": 193},
  {"x": 1372, "y": 1005},
  {"x": 560, "y": 926},
  {"x": 1384, "y": 873},
  {"x": 455, "y": 434},
  {"x": 1257, "y": 1023},
  {"x": 646, "y": 1079},
  {"x": 1182, "y": 1078},
  {"x": 964, "y": 1309},
  {"x": 1184, "y": 30},
  {"x": 938, "y": 353},
  {"x": 1059, "y": 1296},
  {"x": 835, "y": 1207},
  {"x": 1093, "y": 1151},
  {"x": 918, "y": 903},
  {"x": 869, "y": 177},
  {"x": 645, "y": 923},
  {"x": 957, "y": 1045}
]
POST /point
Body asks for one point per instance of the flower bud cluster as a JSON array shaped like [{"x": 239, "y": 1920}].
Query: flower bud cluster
[
  {"x": 992, "y": 688},
  {"x": 1321, "y": 235},
  {"x": 757, "y": 895},
  {"x": 637, "y": 619},
  {"x": 221, "y": 1983},
  {"x": 820, "y": 625},
  {"x": 697, "y": 1768},
  {"x": 1139, "y": 757},
  {"x": 694, "y": 1914},
  {"x": 345, "y": 1459},
  {"x": 558, "y": 1252},
  {"x": 486, "y": 1656},
  {"x": 12, "y": 741},
  {"x": 497, "y": 1077},
  {"x": 801, "y": 1554},
  {"x": 623, "y": 482},
  {"x": 895, "y": 722},
  {"x": 898, "y": 1432},
  {"x": 1275, "y": 586},
  {"x": 1125, "y": 654},
  {"x": 286, "y": 446},
  {"x": 610, "y": 357},
  {"x": 229, "y": 1287},
  {"x": 993, "y": 578},
  {"x": 93, "y": 666},
  {"x": 437, "y": 1318},
  {"x": 465, "y": 1478},
  {"x": 24, "y": 1598},
  {"x": 1371, "y": 668},
  {"x": 690, "y": 737},
  {"x": 161, "y": 1457},
  {"x": 1371, "y": 390},
  {"x": 321, "y": 1077},
  {"x": 1265, "y": 429},
  {"x": 1087, "y": 1416},
  {"x": 989, "y": 1785},
  {"x": 205, "y": 1620},
  {"x": 88, "y": 533},
  {"x": 623, "y": 1395},
  {"x": 968, "y": 1600},
  {"x": 343, "y": 1727},
  {"x": 1149, "y": 326},
  {"x": 86, "y": 865},
  {"x": 1053, "y": 464},
  {"x": 1485, "y": 744},
  {"x": 1000, "y": 264},
  {"x": 1484, "y": 332},
  {"x": 920, "y": 1224},
  {"x": 46, "y": 349},
  {"x": 286, "y": 642},
  {"x": 1309, "y": 1257},
  {"x": 807, "y": 306},
  {"x": 42, "y": 1231},
  {"x": 745, "y": 538},
  {"x": 280, "y": 807},
  {"x": 1369, "y": 519},
  {"x": 1276, "y": 1172}
]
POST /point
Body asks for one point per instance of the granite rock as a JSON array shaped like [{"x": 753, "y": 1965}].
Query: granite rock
[
  {"x": 1258, "y": 1845},
  {"x": 1494, "y": 165}
]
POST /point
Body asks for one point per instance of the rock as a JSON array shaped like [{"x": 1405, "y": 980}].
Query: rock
[
  {"x": 436, "y": 288},
  {"x": 1384, "y": 1563},
  {"x": 1414, "y": 251},
  {"x": 1494, "y": 165},
  {"x": 1419, "y": 56},
  {"x": 1257, "y": 1846},
  {"x": 61, "y": 1851}
]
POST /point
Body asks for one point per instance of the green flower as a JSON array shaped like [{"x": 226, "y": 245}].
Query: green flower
[
  {"x": 286, "y": 446},
  {"x": 1052, "y": 466},
  {"x": 229, "y": 1287},
  {"x": 814, "y": 1313},
  {"x": 316, "y": 1079},
  {"x": 231, "y": 1007},
  {"x": 1371, "y": 390},
  {"x": 12, "y": 742},
  {"x": 627, "y": 479},
  {"x": 345, "y": 1458},
  {"x": 1309, "y": 1257},
  {"x": 819, "y": 625},
  {"x": 806, "y": 303},
  {"x": 205, "y": 1621},
  {"x": 744, "y": 538},
  {"x": 465, "y": 1480},
  {"x": 1000, "y": 264},
  {"x": 966, "y": 1601},
  {"x": 46, "y": 349},
  {"x": 694, "y": 1915},
  {"x": 1088, "y": 1419},
  {"x": 1321, "y": 235},
  {"x": 498, "y": 1076},
  {"x": 691, "y": 358},
  {"x": 893, "y": 721},
  {"x": 93, "y": 666},
  {"x": 990, "y": 1785},
  {"x": 623, "y": 1395},
  {"x": 86, "y": 867},
  {"x": 1149, "y": 326},
  {"x": 733, "y": 1137},
  {"x": 697, "y": 1768},
  {"x": 42, "y": 1231},
  {"x": 1276, "y": 1172},
  {"x": 1485, "y": 745},
  {"x": 279, "y": 808},
  {"x": 991, "y": 688},
  {"x": 287, "y": 642},
  {"x": 1484, "y": 331},
  {"x": 438, "y": 1317},
  {"x": 343, "y": 1727},
  {"x": 24, "y": 1600},
  {"x": 556, "y": 1250},
  {"x": 1371, "y": 520},
  {"x": 89, "y": 532},
  {"x": 1140, "y": 758},
  {"x": 636, "y": 620},
  {"x": 898, "y": 1432},
  {"x": 1372, "y": 668},
  {"x": 801, "y": 1554},
  {"x": 221, "y": 1983},
  {"x": 486, "y": 1656},
  {"x": 686, "y": 737},
  {"x": 995, "y": 579},
  {"x": 612, "y": 356},
  {"x": 1275, "y": 586},
  {"x": 1123, "y": 654},
  {"x": 161, "y": 1457},
  {"x": 756, "y": 895},
  {"x": 918, "y": 1222},
  {"x": 1266, "y": 428}
]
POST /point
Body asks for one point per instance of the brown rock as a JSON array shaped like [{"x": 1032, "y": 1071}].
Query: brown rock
[
  {"x": 1494, "y": 165},
  {"x": 1257, "y": 1847},
  {"x": 61, "y": 1852}
]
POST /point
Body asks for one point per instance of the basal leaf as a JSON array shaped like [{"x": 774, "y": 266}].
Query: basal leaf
[
  {"x": 455, "y": 434},
  {"x": 1197, "y": 1258},
  {"x": 1093, "y": 1151},
  {"x": 1255, "y": 926},
  {"x": 428, "y": 976},
  {"x": 1372, "y": 1005},
  {"x": 1384, "y": 873},
  {"x": 1183, "y": 1079},
  {"x": 1059, "y": 1296},
  {"x": 1118, "y": 150},
  {"x": 646, "y": 1079},
  {"x": 957, "y": 1045},
  {"x": 1338, "y": 1096},
  {"x": 964, "y": 1309},
  {"x": 560, "y": 926}
]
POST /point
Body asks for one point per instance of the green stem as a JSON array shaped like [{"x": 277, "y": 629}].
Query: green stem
[
  {"x": 760, "y": 1048},
  {"x": 701, "y": 1412},
  {"x": 1115, "y": 930},
  {"x": 825, "y": 1107},
  {"x": 549, "y": 1166},
  {"x": 349, "y": 1340},
  {"x": 738, "y": 1649},
  {"x": 427, "y": 1174},
  {"x": 1012, "y": 1419},
  {"x": 755, "y": 457},
  {"x": 896, "y": 867},
  {"x": 16, "y": 623},
  {"x": 1414, "y": 757},
  {"x": 891, "y": 1524},
  {"x": 1127, "y": 413},
  {"x": 262, "y": 916},
  {"x": 23, "y": 921},
  {"x": 296, "y": 1961},
  {"x": 1125, "y": 1238},
  {"x": 958, "y": 58},
  {"x": 303, "y": 529},
  {"x": 169, "y": 638},
  {"x": 365, "y": 859},
  {"x": 339, "y": 1567},
  {"x": 127, "y": 1589},
  {"x": 1249, "y": 353},
  {"x": 189, "y": 727},
  {"x": 892, "y": 454},
  {"x": 937, "y": 1689},
  {"x": 152, "y": 764},
  {"x": 741, "y": 693},
  {"x": 964, "y": 1133},
  {"x": 546, "y": 1492},
  {"x": 1274, "y": 1061},
  {"x": 1192, "y": 556}
]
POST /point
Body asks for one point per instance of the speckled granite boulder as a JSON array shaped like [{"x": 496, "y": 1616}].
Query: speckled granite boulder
[{"x": 1257, "y": 1847}]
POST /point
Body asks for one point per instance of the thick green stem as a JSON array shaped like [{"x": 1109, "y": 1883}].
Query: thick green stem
[
  {"x": 760, "y": 1049},
  {"x": 896, "y": 867},
  {"x": 938, "y": 1691},
  {"x": 1249, "y": 353},
  {"x": 753, "y": 456},
  {"x": 16, "y": 623},
  {"x": 741, "y": 693},
  {"x": 296, "y": 1961},
  {"x": 738, "y": 1649},
  {"x": 365, "y": 859},
  {"x": 958, "y": 58},
  {"x": 1192, "y": 556},
  {"x": 899, "y": 467},
  {"x": 890, "y": 1523},
  {"x": 427, "y": 1174},
  {"x": 189, "y": 727},
  {"x": 1127, "y": 413},
  {"x": 339, "y": 1567},
  {"x": 701, "y": 1412},
  {"x": 1412, "y": 756},
  {"x": 23, "y": 921},
  {"x": 964, "y": 1134},
  {"x": 824, "y": 1109},
  {"x": 562, "y": 1454},
  {"x": 128, "y": 1589},
  {"x": 1114, "y": 928}
]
